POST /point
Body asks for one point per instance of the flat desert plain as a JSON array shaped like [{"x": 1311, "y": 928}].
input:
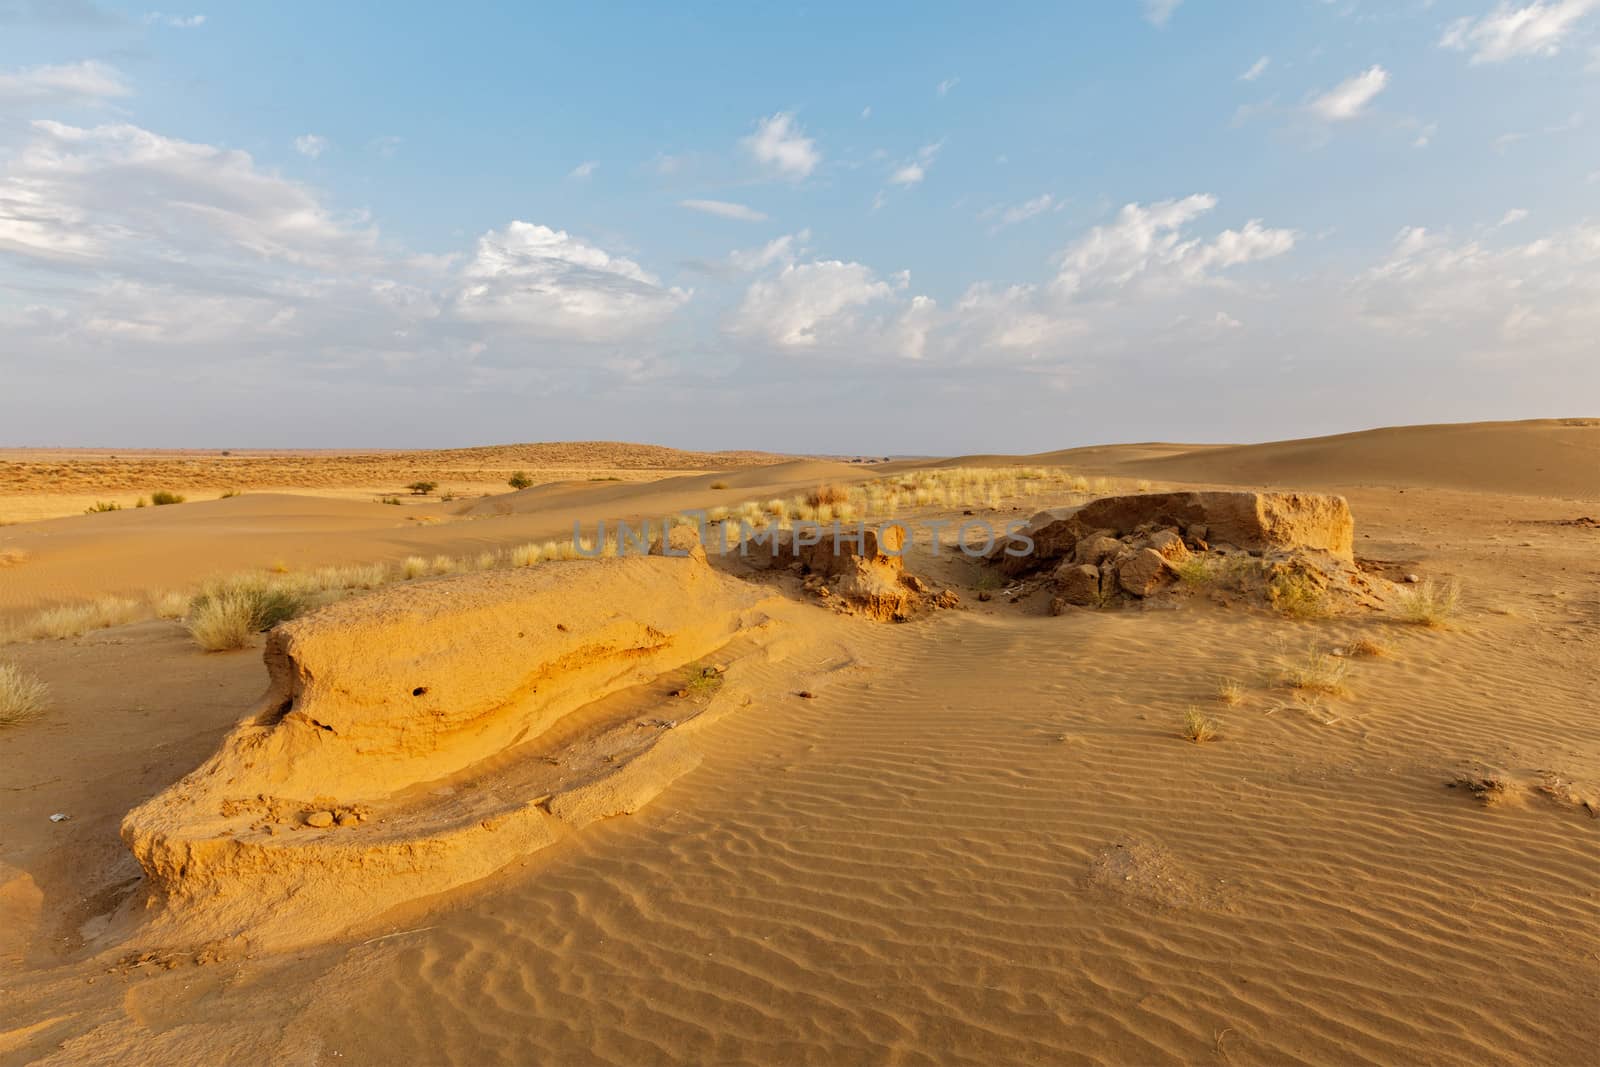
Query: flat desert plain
[{"x": 1153, "y": 796}]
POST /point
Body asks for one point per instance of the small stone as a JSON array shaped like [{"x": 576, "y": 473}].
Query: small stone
[
  {"x": 347, "y": 818},
  {"x": 1413, "y": 578},
  {"x": 806, "y": 694},
  {"x": 320, "y": 819}
]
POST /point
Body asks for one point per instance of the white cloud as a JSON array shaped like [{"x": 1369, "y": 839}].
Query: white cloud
[
  {"x": 1512, "y": 217},
  {"x": 1146, "y": 246},
  {"x": 1003, "y": 215},
  {"x": 1349, "y": 98},
  {"x": 548, "y": 282},
  {"x": 85, "y": 82},
  {"x": 724, "y": 209},
  {"x": 177, "y": 22},
  {"x": 583, "y": 170},
  {"x": 866, "y": 112},
  {"x": 913, "y": 171},
  {"x": 944, "y": 87},
  {"x": 807, "y": 304},
  {"x": 1157, "y": 12},
  {"x": 1258, "y": 68},
  {"x": 310, "y": 145},
  {"x": 1425, "y": 135},
  {"x": 780, "y": 145},
  {"x": 1508, "y": 301},
  {"x": 1535, "y": 29}
]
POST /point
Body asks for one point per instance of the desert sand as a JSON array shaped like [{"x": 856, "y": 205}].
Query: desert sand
[{"x": 687, "y": 810}]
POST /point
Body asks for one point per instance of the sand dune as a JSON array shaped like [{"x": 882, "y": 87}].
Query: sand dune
[
  {"x": 978, "y": 837},
  {"x": 1548, "y": 457}
]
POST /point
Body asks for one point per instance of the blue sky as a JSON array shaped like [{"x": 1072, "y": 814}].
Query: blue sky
[{"x": 907, "y": 227}]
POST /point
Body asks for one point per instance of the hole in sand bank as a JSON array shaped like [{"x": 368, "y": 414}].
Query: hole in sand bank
[
  {"x": 275, "y": 716},
  {"x": 419, "y": 690}
]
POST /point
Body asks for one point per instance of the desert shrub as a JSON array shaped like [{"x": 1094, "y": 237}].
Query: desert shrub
[
  {"x": 229, "y": 494},
  {"x": 719, "y": 485},
  {"x": 442, "y": 565},
  {"x": 102, "y": 505},
  {"x": 227, "y": 611},
  {"x": 161, "y": 498},
  {"x": 1198, "y": 728},
  {"x": 389, "y": 500},
  {"x": 1314, "y": 671},
  {"x": 1428, "y": 605},
  {"x": 1298, "y": 594},
  {"x": 1229, "y": 691},
  {"x": 74, "y": 620},
  {"x": 169, "y": 605},
  {"x": 1366, "y": 646},
  {"x": 22, "y": 696},
  {"x": 1195, "y": 570},
  {"x": 526, "y": 555},
  {"x": 413, "y": 567},
  {"x": 519, "y": 480},
  {"x": 422, "y": 488},
  {"x": 827, "y": 494},
  {"x": 487, "y": 560}
]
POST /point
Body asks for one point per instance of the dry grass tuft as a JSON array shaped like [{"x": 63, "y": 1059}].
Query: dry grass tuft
[
  {"x": 1315, "y": 671},
  {"x": 413, "y": 567},
  {"x": 1198, "y": 728},
  {"x": 228, "y": 611},
  {"x": 1298, "y": 594},
  {"x": 1367, "y": 648},
  {"x": 1429, "y": 605},
  {"x": 1230, "y": 692},
  {"x": 827, "y": 494},
  {"x": 526, "y": 555},
  {"x": 74, "y": 620},
  {"x": 169, "y": 605},
  {"x": 1196, "y": 570},
  {"x": 22, "y": 696}
]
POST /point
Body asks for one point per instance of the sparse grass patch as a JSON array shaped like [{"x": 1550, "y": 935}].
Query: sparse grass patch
[
  {"x": 526, "y": 555},
  {"x": 1314, "y": 671},
  {"x": 1230, "y": 692},
  {"x": 1298, "y": 594},
  {"x": 74, "y": 620},
  {"x": 1198, "y": 728},
  {"x": 1366, "y": 647},
  {"x": 227, "y": 611},
  {"x": 170, "y": 605},
  {"x": 22, "y": 696},
  {"x": 702, "y": 685},
  {"x": 827, "y": 494},
  {"x": 389, "y": 500},
  {"x": 1429, "y": 605},
  {"x": 1195, "y": 570},
  {"x": 229, "y": 494},
  {"x": 161, "y": 498},
  {"x": 102, "y": 505},
  {"x": 413, "y": 567}
]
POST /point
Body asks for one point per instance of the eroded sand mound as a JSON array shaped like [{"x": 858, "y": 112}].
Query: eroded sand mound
[
  {"x": 1294, "y": 549},
  {"x": 395, "y": 752}
]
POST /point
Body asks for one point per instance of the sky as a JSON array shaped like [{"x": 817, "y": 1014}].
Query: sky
[{"x": 903, "y": 228}]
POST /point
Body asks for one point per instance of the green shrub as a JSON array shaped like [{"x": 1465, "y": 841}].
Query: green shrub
[{"x": 519, "y": 480}]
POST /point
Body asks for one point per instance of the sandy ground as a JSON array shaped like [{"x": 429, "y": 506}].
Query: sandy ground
[{"x": 982, "y": 841}]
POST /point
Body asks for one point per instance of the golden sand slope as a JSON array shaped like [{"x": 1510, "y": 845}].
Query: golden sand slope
[{"x": 981, "y": 840}]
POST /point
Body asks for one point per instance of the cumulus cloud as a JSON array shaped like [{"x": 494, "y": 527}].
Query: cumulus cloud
[
  {"x": 778, "y": 250},
  {"x": 583, "y": 170},
  {"x": 86, "y": 82},
  {"x": 1349, "y": 99},
  {"x": 781, "y": 146},
  {"x": 1535, "y": 29},
  {"x": 310, "y": 145},
  {"x": 806, "y": 303},
  {"x": 552, "y": 283},
  {"x": 1541, "y": 295},
  {"x": 1147, "y": 246},
  {"x": 724, "y": 209}
]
